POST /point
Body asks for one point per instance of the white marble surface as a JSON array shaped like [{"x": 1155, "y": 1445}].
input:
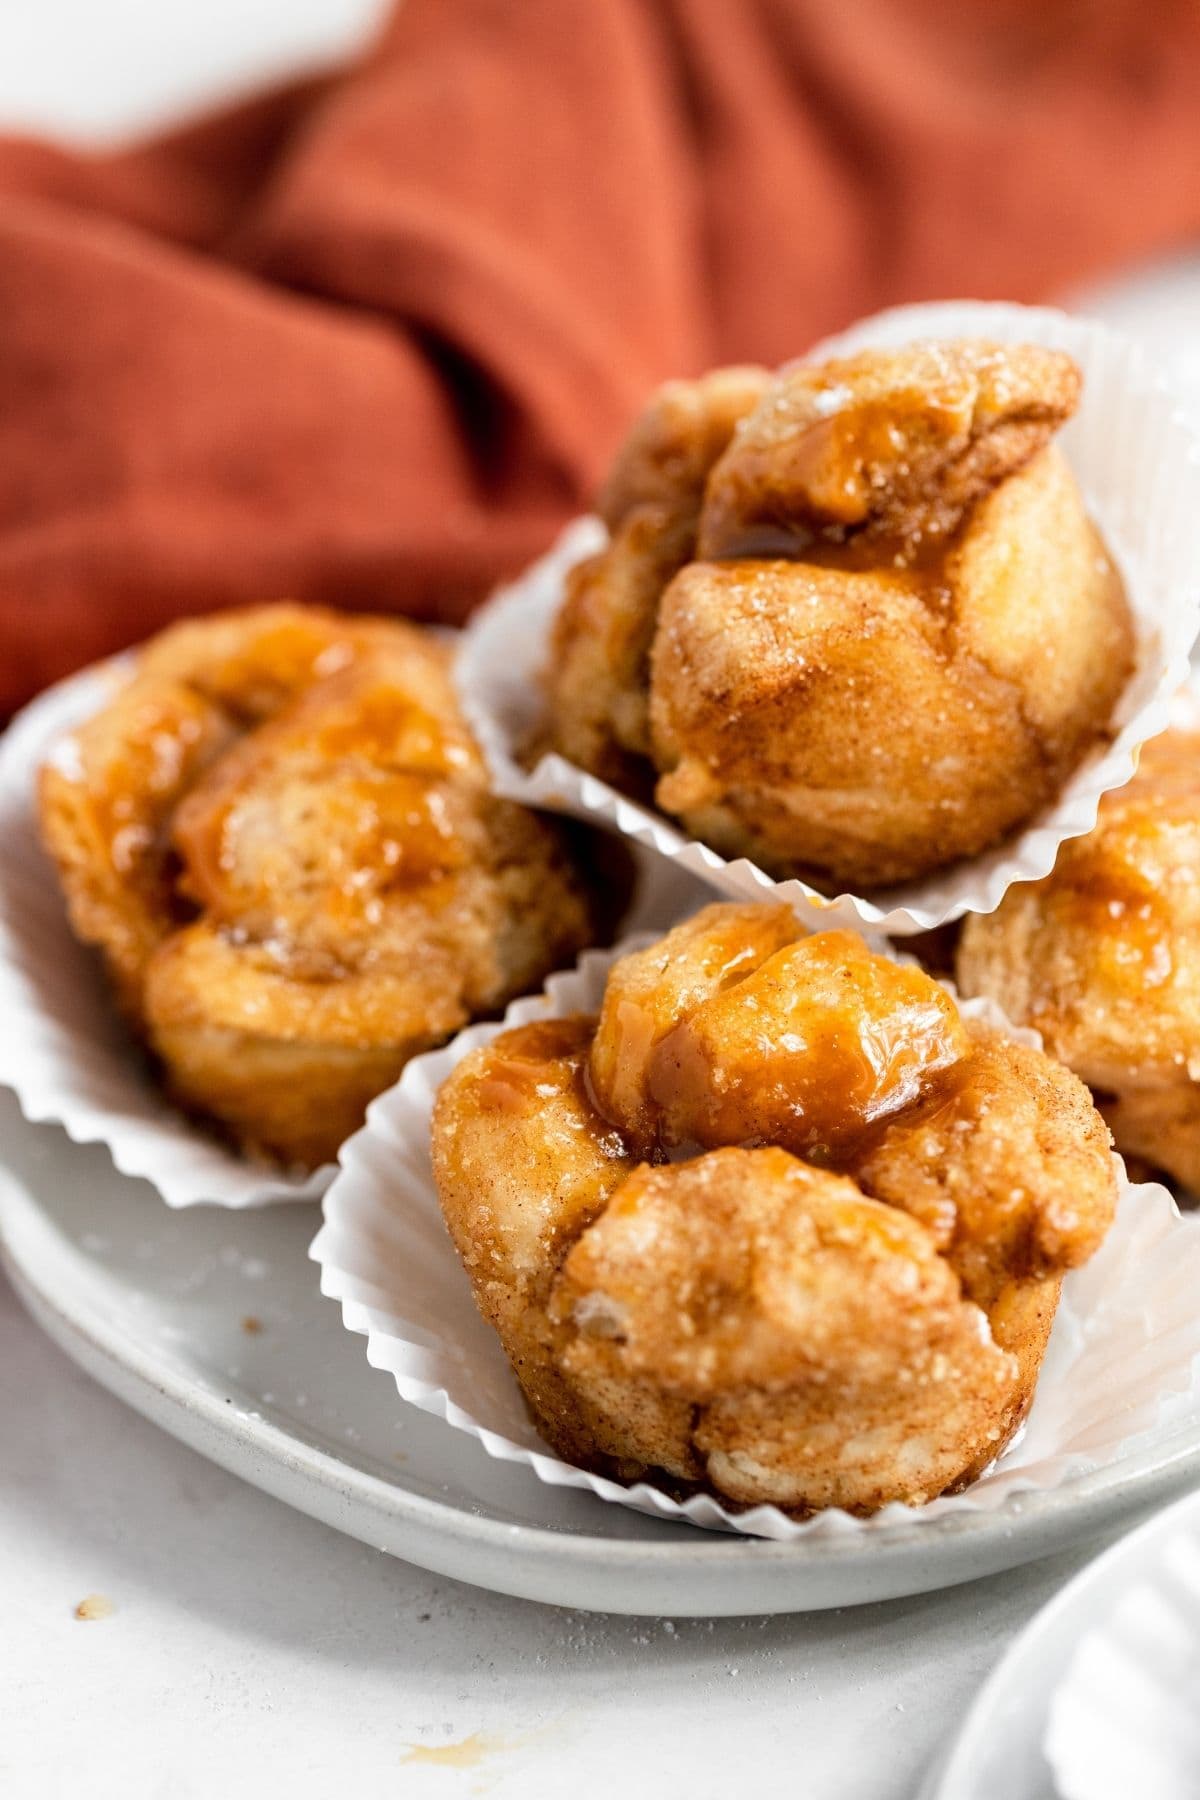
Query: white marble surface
[{"x": 252, "y": 1652}]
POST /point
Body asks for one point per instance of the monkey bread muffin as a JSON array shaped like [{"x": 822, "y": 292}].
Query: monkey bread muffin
[
  {"x": 853, "y": 620},
  {"x": 279, "y": 835},
  {"x": 779, "y": 1224}
]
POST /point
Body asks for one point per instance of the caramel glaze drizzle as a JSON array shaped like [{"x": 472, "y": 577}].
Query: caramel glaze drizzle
[
  {"x": 517, "y": 1085},
  {"x": 863, "y": 549},
  {"x": 933, "y": 1095}
]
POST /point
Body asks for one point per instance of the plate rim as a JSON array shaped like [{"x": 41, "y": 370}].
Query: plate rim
[
  {"x": 675, "y": 1576},
  {"x": 945, "y": 1780}
]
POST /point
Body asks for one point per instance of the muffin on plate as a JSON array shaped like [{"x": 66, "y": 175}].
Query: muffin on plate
[
  {"x": 853, "y": 620},
  {"x": 278, "y": 833},
  {"x": 1103, "y": 957},
  {"x": 779, "y": 1224}
]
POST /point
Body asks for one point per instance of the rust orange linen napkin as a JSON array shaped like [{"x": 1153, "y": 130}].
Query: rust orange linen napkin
[{"x": 369, "y": 339}]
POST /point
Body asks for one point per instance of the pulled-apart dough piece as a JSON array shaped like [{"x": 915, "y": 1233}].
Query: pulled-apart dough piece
[
  {"x": 1103, "y": 957},
  {"x": 598, "y": 675},
  {"x": 523, "y": 1163},
  {"x": 819, "y": 1348},
  {"x": 666, "y": 459},
  {"x": 864, "y": 725},
  {"x": 730, "y": 1031},
  {"x": 897, "y": 442},
  {"x": 1008, "y": 1168},
  {"x": 650, "y": 991}
]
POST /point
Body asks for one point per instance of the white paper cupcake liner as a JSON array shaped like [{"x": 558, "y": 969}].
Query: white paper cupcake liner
[
  {"x": 1125, "y": 1718},
  {"x": 1122, "y": 1361},
  {"x": 1136, "y": 457},
  {"x": 1183, "y": 712},
  {"x": 63, "y": 1050}
]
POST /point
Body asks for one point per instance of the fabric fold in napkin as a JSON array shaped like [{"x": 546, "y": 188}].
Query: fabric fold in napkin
[{"x": 372, "y": 338}]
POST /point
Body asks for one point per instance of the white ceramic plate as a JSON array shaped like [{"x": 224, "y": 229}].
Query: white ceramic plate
[
  {"x": 153, "y": 1303},
  {"x": 997, "y": 1754}
]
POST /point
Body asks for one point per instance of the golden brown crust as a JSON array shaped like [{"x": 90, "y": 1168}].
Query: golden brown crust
[
  {"x": 897, "y": 443},
  {"x": 598, "y": 676},
  {"x": 279, "y": 835},
  {"x": 106, "y": 801},
  {"x": 741, "y": 1320},
  {"x": 666, "y": 458},
  {"x": 1103, "y": 957},
  {"x": 523, "y": 1162},
  {"x": 959, "y": 1168},
  {"x": 1159, "y": 1127},
  {"x": 775, "y": 1305},
  {"x": 884, "y": 639},
  {"x": 780, "y": 753},
  {"x": 865, "y": 725}
]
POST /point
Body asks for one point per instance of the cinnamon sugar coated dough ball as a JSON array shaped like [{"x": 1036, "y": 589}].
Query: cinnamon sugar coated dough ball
[
  {"x": 279, "y": 835},
  {"x": 1103, "y": 957},
  {"x": 877, "y": 637},
  {"x": 813, "y": 1267}
]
